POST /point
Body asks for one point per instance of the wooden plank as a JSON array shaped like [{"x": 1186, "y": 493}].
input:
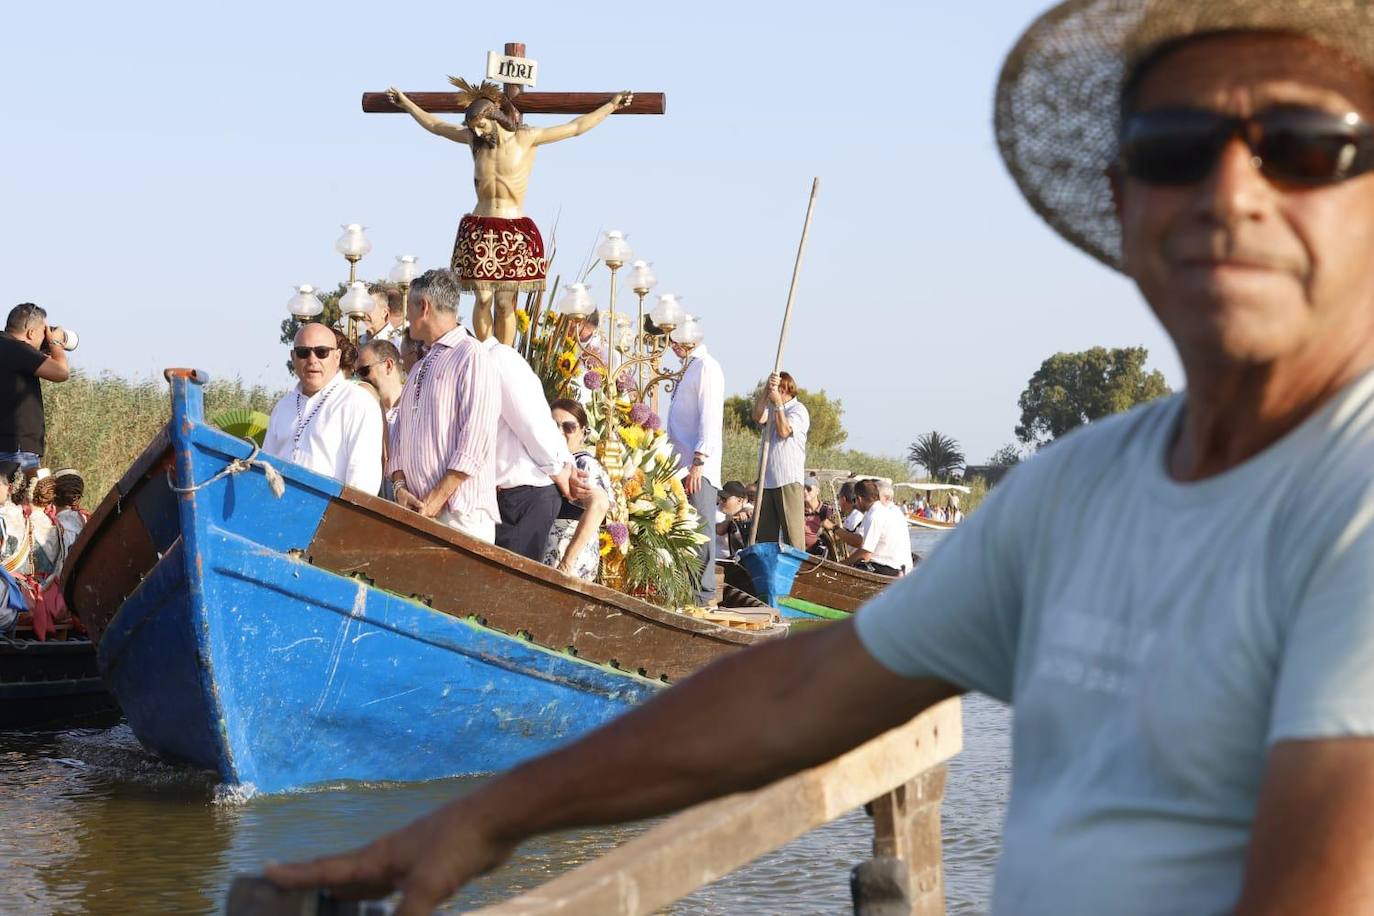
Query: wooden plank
[
  {"x": 711, "y": 840},
  {"x": 645, "y": 103}
]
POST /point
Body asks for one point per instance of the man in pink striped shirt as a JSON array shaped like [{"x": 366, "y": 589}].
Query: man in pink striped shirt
[{"x": 442, "y": 447}]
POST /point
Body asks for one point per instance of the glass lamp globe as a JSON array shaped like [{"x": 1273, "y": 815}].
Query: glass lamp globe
[
  {"x": 642, "y": 278},
  {"x": 353, "y": 244},
  {"x": 576, "y": 302},
  {"x": 668, "y": 313},
  {"x": 405, "y": 270},
  {"x": 305, "y": 304},
  {"x": 357, "y": 302},
  {"x": 614, "y": 250},
  {"x": 689, "y": 333}
]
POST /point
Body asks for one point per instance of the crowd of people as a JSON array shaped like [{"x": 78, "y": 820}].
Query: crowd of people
[{"x": 459, "y": 430}]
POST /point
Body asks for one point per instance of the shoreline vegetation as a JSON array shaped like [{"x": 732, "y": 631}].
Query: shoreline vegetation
[{"x": 98, "y": 423}]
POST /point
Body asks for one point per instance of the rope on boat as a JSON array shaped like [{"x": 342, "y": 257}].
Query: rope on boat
[{"x": 238, "y": 466}]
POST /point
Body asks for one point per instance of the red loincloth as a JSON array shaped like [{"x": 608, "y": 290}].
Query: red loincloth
[{"x": 495, "y": 253}]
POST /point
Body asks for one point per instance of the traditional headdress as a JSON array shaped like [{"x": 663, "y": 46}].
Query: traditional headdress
[{"x": 1059, "y": 95}]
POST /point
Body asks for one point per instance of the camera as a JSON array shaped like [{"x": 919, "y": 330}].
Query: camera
[{"x": 66, "y": 338}]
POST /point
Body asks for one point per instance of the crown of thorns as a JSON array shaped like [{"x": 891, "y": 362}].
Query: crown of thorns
[{"x": 468, "y": 93}]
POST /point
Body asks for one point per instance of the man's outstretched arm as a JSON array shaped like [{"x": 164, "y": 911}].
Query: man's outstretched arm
[
  {"x": 745, "y": 721},
  {"x": 580, "y": 125},
  {"x": 436, "y": 126}
]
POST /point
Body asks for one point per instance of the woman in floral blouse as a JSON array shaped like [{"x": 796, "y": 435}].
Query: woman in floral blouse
[{"x": 574, "y": 546}]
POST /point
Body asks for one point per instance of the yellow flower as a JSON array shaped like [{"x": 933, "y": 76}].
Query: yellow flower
[
  {"x": 633, "y": 488},
  {"x": 522, "y": 320},
  {"x": 633, "y": 436},
  {"x": 622, "y": 405},
  {"x": 660, "y": 491},
  {"x": 679, "y": 493},
  {"x": 664, "y": 523},
  {"x": 567, "y": 363},
  {"x": 607, "y": 544}
]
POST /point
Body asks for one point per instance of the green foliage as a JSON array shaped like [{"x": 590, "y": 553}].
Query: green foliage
[
  {"x": 740, "y": 460},
  {"x": 1007, "y": 455},
  {"x": 98, "y": 424},
  {"x": 1070, "y": 389},
  {"x": 671, "y": 585},
  {"x": 939, "y": 454},
  {"x": 827, "y": 416}
]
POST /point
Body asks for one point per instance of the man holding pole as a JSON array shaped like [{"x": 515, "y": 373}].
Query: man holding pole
[{"x": 782, "y": 508}]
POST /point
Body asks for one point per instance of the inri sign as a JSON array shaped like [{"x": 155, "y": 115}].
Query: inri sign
[{"x": 518, "y": 70}]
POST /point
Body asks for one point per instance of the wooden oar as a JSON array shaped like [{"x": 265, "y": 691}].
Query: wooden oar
[{"x": 777, "y": 360}]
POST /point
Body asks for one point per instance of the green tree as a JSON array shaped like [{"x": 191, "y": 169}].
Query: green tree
[
  {"x": 1007, "y": 455},
  {"x": 827, "y": 416},
  {"x": 1070, "y": 389},
  {"x": 939, "y": 454}
]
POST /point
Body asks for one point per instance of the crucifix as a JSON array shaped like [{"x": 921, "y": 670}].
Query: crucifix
[{"x": 499, "y": 252}]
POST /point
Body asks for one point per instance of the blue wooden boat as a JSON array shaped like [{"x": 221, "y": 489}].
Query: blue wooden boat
[
  {"x": 804, "y": 586},
  {"x": 317, "y": 634}
]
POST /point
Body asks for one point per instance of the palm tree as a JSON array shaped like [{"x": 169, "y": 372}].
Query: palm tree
[{"x": 939, "y": 454}]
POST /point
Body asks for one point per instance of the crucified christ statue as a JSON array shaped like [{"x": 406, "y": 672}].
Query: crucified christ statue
[{"x": 498, "y": 252}]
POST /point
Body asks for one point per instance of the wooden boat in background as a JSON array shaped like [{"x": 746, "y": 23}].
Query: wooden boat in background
[
  {"x": 799, "y": 584},
  {"x": 318, "y": 634},
  {"x": 51, "y": 683}
]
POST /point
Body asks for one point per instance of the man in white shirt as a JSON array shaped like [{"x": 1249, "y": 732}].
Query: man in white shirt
[
  {"x": 885, "y": 547},
  {"x": 695, "y": 426},
  {"x": 326, "y": 423},
  {"x": 533, "y": 463},
  {"x": 785, "y": 421},
  {"x": 387, "y": 320}
]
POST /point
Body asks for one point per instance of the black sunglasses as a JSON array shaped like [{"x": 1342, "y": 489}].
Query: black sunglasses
[
  {"x": 1292, "y": 144},
  {"x": 320, "y": 352},
  {"x": 569, "y": 427},
  {"x": 365, "y": 371}
]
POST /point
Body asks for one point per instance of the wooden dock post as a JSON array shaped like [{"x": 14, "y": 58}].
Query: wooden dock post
[{"x": 906, "y": 836}]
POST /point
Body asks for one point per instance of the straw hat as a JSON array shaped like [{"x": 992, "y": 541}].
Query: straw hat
[{"x": 1058, "y": 98}]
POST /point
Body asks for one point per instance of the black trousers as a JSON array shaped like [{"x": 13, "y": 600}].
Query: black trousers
[
  {"x": 879, "y": 568},
  {"x": 527, "y": 517}
]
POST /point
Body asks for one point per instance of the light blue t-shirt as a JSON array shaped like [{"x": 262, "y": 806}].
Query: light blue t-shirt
[{"x": 1155, "y": 638}]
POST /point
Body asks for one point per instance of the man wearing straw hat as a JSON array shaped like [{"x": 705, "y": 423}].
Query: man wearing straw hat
[{"x": 1178, "y": 601}]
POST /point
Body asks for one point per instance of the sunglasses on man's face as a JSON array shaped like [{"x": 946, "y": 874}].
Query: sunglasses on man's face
[
  {"x": 1291, "y": 144},
  {"x": 365, "y": 371},
  {"x": 320, "y": 352}
]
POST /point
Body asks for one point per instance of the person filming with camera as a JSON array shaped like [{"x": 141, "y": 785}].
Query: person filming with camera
[{"x": 29, "y": 350}]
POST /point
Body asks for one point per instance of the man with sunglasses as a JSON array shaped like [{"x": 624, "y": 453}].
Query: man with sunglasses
[
  {"x": 1179, "y": 600},
  {"x": 325, "y": 423}
]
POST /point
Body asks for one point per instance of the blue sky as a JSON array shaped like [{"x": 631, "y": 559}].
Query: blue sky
[{"x": 172, "y": 170}]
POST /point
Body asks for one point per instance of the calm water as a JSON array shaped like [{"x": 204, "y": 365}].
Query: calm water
[{"x": 91, "y": 823}]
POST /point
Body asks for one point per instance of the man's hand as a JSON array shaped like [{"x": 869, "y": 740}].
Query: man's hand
[
  {"x": 406, "y": 499},
  {"x": 398, "y": 98},
  {"x": 623, "y": 99},
  {"x": 774, "y": 391},
  {"x": 693, "y": 481},
  {"x": 580, "y": 487},
  {"x": 433, "y": 503},
  {"x": 427, "y": 861}
]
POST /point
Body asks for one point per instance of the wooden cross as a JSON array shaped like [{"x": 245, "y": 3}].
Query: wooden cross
[{"x": 654, "y": 103}]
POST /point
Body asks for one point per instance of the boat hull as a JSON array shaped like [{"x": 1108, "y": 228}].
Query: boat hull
[
  {"x": 321, "y": 635},
  {"x": 802, "y": 585},
  {"x": 52, "y": 684}
]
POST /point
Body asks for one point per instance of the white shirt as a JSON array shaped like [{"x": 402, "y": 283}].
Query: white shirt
[
  {"x": 389, "y": 332},
  {"x": 529, "y": 445},
  {"x": 853, "y": 520},
  {"x": 337, "y": 432},
  {"x": 885, "y": 536},
  {"x": 786, "y": 457},
  {"x": 1158, "y": 639},
  {"x": 696, "y": 417}
]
